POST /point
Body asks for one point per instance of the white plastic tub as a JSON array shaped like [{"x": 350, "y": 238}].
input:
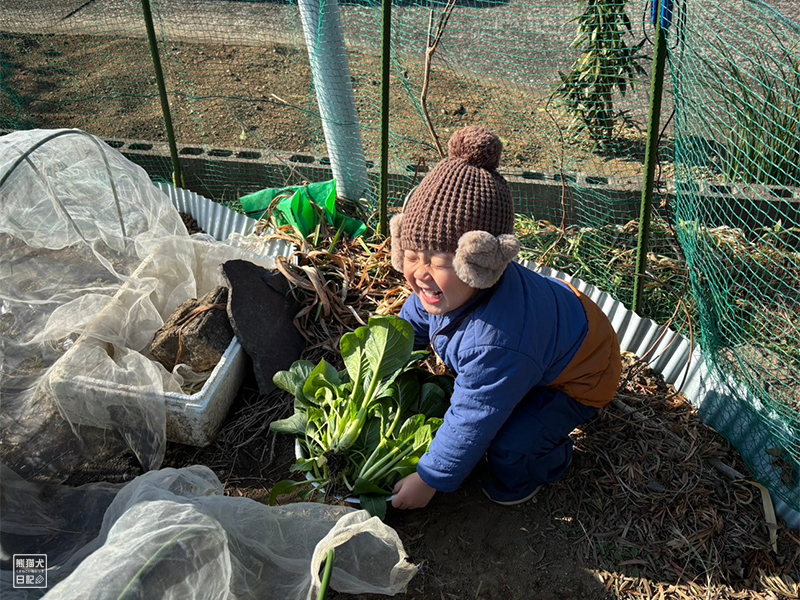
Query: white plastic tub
[{"x": 193, "y": 419}]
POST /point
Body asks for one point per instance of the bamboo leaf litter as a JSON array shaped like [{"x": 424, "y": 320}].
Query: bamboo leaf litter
[{"x": 652, "y": 516}]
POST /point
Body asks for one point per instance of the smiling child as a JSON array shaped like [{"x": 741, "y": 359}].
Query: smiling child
[{"x": 534, "y": 358}]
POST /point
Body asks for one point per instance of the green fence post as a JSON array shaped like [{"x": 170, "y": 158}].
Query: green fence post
[
  {"x": 386, "y": 47},
  {"x": 162, "y": 92},
  {"x": 653, "y": 124}
]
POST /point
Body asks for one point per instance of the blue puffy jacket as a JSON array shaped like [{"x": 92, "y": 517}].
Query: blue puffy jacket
[{"x": 505, "y": 341}]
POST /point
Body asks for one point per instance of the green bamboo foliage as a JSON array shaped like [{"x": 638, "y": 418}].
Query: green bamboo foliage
[{"x": 607, "y": 66}]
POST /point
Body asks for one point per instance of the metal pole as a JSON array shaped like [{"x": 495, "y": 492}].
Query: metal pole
[
  {"x": 327, "y": 53},
  {"x": 177, "y": 174},
  {"x": 653, "y": 124},
  {"x": 386, "y": 47}
]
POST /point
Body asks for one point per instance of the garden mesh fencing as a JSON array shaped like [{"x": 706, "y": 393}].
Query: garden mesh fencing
[
  {"x": 567, "y": 94},
  {"x": 736, "y": 77},
  {"x": 565, "y": 83}
]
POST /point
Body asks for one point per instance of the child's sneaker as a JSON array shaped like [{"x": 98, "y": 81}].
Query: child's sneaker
[{"x": 512, "y": 502}]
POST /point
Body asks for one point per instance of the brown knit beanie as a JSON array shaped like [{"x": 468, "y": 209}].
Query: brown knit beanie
[{"x": 463, "y": 195}]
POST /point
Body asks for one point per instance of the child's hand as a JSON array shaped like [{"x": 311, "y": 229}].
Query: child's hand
[{"x": 412, "y": 492}]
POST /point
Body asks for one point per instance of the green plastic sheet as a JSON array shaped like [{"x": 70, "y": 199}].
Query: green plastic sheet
[{"x": 302, "y": 206}]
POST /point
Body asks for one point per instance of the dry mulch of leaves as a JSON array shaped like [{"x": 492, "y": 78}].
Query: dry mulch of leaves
[
  {"x": 339, "y": 283},
  {"x": 656, "y": 504},
  {"x": 661, "y": 502}
]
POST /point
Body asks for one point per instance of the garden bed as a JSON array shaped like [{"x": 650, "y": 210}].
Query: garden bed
[
  {"x": 644, "y": 511},
  {"x": 638, "y": 515}
]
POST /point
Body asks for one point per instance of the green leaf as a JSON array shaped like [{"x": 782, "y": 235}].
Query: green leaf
[
  {"x": 405, "y": 391},
  {"x": 367, "y": 412},
  {"x": 292, "y": 381},
  {"x": 374, "y": 505},
  {"x": 433, "y": 400},
  {"x": 353, "y": 348},
  {"x": 417, "y": 356},
  {"x": 323, "y": 377},
  {"x": 410, "y": 427},
  {"x": 423, "y": 437},
  {"x": 362, "y": 486},
  {"x": 374, "y": 357},
  {"x": 283, "y": 487},
  {"x": 404, "y": 468},
  {"x": 315, "y": 415},
  {"x": 446, "y": 382},
  {"x": 294, "y": 425},
  {"x": 372, "y": 432},
  {"x": 383, "y": 348}
]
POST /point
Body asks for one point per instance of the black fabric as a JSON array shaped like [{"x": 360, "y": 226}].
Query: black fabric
[{"x": 262, "y": 311}]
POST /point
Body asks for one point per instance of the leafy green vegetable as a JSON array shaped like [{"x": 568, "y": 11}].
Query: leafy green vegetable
[{"x": 363, "y": 429}]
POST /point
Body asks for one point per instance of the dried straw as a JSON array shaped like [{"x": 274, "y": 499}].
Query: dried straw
[
  {"x": 337, "y": 288},
  {"x": 651, "y": 502},
  {"x": 655, "y": 499}
]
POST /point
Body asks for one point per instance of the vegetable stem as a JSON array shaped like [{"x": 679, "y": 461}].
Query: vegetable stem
[
  {"x": 379, "y": 468},
  {"x": 326, "y": 575}
]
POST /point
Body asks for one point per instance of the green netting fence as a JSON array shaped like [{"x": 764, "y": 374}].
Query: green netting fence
[
  {"x": 736, "y": 74},
  {"x": 566, "y": 85}
]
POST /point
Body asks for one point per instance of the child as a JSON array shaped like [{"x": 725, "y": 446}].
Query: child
[{"x": 533, "y": 357}]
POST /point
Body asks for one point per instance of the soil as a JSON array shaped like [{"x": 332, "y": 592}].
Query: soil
[
  {"x": 611, "y": 527},
  {"x": 571, "y": 540},
  {"x": 465, "y": 546},
  {"x": 262, "y": 98}
]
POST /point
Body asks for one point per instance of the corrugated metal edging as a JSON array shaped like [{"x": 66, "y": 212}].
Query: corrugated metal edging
[
  {"x": 683, "y": 366},
  {"x": 217, "y": 220},
  {"x": 668, "y": 353}
]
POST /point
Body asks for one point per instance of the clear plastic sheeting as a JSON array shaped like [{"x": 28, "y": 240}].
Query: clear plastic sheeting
[
  {"x": 172, "y": 534},
  {"x": 76, "y": 219},
  {"x": 95, "y": 259}
]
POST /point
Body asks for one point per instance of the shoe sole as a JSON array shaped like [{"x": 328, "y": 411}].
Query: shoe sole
[{"x": 513, "y": 502}]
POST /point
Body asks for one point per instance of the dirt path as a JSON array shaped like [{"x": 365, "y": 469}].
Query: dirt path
[{"x": 239, "y": 96}]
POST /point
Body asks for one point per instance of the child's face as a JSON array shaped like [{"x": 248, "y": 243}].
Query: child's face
[{"x": 432, "y": 278}]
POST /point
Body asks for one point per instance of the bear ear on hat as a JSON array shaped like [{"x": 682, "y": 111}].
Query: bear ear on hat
[
  {"x": 395, "y": 231},
  {"x": 481, "y": 258}
]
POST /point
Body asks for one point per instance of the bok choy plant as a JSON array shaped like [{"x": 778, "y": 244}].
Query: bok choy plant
[{"x": 363, "y": 429}]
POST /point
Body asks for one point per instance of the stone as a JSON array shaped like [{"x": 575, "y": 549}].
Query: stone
[
  {"x": 262, "y": 310},
  {"x": 196, "y": 334}
]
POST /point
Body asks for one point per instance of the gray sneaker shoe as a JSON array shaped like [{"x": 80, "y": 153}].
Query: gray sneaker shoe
[{"x": 512, "y": 502}]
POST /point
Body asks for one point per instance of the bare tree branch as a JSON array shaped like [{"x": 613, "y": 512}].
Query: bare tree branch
[{"x": 431, "y": 44}]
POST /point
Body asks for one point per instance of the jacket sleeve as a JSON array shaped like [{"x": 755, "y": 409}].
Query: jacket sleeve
[
  {"x": 491, "y": 382},
  {"x": 414, "y": 313}
]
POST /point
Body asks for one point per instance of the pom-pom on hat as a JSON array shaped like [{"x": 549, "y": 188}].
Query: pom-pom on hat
[{"x": 464, "y": 194}]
